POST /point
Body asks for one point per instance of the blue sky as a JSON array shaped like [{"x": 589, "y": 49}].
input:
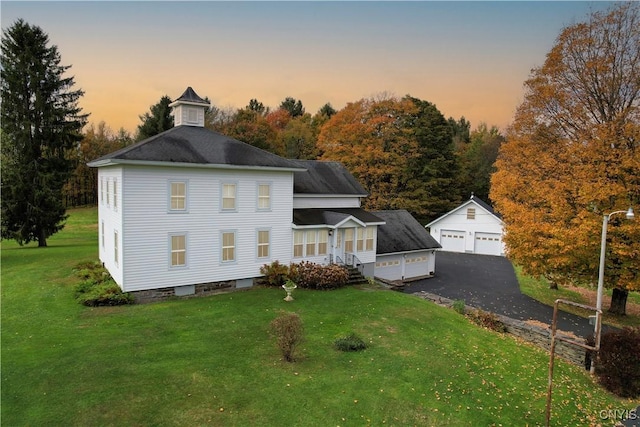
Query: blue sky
[{"x": 469, "y": 58}]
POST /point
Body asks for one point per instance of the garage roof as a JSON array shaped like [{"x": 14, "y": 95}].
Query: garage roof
[{"x": 402, "y": 233}]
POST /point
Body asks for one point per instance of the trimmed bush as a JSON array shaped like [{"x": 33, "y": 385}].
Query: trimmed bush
[
  {"x": 275, "y": 274},
  {"x": 315, "y": 276},
  {"x": 288, "y": 332},
  {"x": 618, "y": 365},
  {"x": 351, "y": 342}
]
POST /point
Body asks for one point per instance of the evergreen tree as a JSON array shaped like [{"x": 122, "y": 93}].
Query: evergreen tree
[
  {"x": 294, "y": 107},
  {"x": 41, "y": 123},
  {"x": 157, "y": 120}
]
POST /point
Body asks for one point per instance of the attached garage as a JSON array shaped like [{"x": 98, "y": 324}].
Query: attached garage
[
  {"x": 405, "y": 251},
  {"x": 488, "y": 244},
  {"x": 452, "y": 240}
]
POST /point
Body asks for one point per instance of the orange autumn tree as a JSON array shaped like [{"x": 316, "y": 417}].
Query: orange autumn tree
[
  {"x": 572, "y": 156},
  {"x": 400, "y": 150}
]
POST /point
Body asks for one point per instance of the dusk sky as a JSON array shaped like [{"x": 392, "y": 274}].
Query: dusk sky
[{"x": 468, "y": 58}]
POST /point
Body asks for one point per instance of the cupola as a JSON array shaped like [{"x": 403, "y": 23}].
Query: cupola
[{"x": 189, "y": 109}]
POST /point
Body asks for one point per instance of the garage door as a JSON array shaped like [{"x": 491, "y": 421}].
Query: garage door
[
  {"x": 488, "y": 244},
  {"x": 416, "y": 265},
  {"x": 452, "y": 240}
]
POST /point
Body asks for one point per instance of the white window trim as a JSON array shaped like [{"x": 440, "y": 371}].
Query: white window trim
[
  {"x": 301, "y": 244},
  {"x": 186, "y": 195},
  {"x": 115, "y": 194},
  {"x": 369, "y": 237},
  {"x": 107, "y": 197},
  {"x": 258, "y": 198},
  {"x": 323, "y": 233},
  {"x": 102, "y": 233},
  {"x": 258, "y": 244},
  {"x": 235, "y": 247},
  {"x": 235, "y": 196},
  {"x": 171, "y": 251}
]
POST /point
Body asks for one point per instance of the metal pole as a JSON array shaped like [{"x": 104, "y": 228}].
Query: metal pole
[{"x": 603, "y": 251}]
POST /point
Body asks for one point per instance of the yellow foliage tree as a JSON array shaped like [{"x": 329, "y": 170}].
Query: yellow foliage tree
[{"x": 572, "y": 156}]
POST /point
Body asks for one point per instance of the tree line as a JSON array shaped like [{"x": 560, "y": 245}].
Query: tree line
[{"x": 402, "y": 150}]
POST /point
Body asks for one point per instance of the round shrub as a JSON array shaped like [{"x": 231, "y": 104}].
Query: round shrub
[
  {"x": 618, "y": 365},
  {"x": 351, "y": 342}
]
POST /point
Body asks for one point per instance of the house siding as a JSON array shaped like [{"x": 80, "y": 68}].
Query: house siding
[
  {"x": 150, "y": 223},
  {"x": 112, "y": 219},
  {"x": 310, "y": 202}
]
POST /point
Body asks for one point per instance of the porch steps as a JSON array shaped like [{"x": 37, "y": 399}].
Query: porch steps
[{"x": 355, "y": 277}]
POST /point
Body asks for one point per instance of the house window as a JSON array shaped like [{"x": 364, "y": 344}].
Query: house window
[
  {"x": 178, "y": 196},
  {"x": 323, "y": 237},
  {"x": 228, "y": 197},
  {"x": 263, "y": 243},
  {"x": 369, "y": 239},
  {"x": 228, "y": 246},
  {"x": 102, "y": 233},
  {"x": 311, "y": 243},
  {"x": 348, "y": 240},
  {"x": 264, "y": 197},
  {"x": 298, "y": 243},
  {"x": 101, "y": 190},
  {"x": 115, "y": 194},
  {"x": 360, "y": 239},
  {"x": 115, "y": 246},
  {"x": 471, "y": 213},
  {"x": 178, "y": 250}
]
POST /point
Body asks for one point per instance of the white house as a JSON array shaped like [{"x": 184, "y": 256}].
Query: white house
[
  {"x": 406, "y": 251},
  {"x": 472, "y": 227},
  {"x": 191, "y": 211}
]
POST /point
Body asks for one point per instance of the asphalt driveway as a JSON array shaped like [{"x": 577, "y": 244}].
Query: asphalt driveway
[{"x": 490, "y": 283}]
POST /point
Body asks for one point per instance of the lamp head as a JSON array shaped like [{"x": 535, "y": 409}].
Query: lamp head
[{"x": 630, "y": 214}]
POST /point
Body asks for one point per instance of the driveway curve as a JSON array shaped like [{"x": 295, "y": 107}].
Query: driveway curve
[{"x": 489, "y": 283}]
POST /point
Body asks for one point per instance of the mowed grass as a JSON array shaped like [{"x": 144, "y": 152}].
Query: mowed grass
[{"x": 211, "y": 361}]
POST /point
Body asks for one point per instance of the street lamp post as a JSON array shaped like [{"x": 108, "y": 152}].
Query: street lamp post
[{"x": 603, "y": 249}]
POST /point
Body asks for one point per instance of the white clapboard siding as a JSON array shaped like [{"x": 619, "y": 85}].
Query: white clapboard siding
[
  {"x": 149, "y": 225},
  {"x": 325, "y": 202},
  {"x": 110, "y": 220}
]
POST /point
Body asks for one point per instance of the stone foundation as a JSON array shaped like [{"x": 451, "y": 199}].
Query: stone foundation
[
  {"x": 200, "y": 290},
  {"x": 536, "y": 334}
]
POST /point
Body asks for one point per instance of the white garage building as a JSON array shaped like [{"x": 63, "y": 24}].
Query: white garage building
[{"x": 472, "y": 227}]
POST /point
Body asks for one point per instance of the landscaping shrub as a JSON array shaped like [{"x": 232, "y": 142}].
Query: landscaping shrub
[
  {"x": 288, "y": 332},
  {"x": 275, "y": 274},
  {"x": 315, "y": 276},
  {"x": 487, "y": 320},
  {"x": 98, "y": 288},
  {"x": 459, "y": 306},
  {"x": 351, "y": 342},
  {"x": 618, "y": 365}
]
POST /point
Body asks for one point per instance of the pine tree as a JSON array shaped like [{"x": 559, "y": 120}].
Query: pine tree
[{"x": 41, "y": 122}]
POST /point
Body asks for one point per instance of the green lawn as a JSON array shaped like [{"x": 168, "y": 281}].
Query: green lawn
[{"x": 210, "y": 361}]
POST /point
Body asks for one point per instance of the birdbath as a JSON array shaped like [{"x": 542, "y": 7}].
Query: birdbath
[{"x": 289, "y": 286}]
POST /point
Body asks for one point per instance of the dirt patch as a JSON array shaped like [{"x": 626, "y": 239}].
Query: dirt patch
[{"x": 591, "y": 296}]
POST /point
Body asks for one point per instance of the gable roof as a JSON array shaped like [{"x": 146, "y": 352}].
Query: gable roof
[
  {"x": 330, "y": 178},
  {"x": 473, "y": 200},
  {"x": 333, "y": 217},
  {"x": 195, "y": 146},
  {"x": 402, "y": 233}
]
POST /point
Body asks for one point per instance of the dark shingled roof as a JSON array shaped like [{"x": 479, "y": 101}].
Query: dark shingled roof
[
  {"x": 332, "y": 216},
  {"x": 402, "y": 233},
  {"x": 325, "y": 178},
  {"x": 190, "y": 95},
  {"x": 197, "y": 145}
]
